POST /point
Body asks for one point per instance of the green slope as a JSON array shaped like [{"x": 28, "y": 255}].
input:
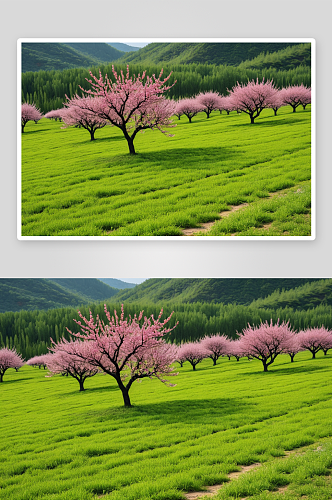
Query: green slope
[
  {"x": 89, "y": 288},
  {"x": 288, "y": 58},
  {"x": 99, "y": 51},
  {"x": 36, "y": 293},
  {"x": 239, "y": 290},
  {"x": 229, "y": 53},
  {"x": 309, "y": 295},
  {"x": 59, "y": 56}
]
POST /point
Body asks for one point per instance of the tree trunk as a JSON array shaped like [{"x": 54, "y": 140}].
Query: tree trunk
[
  {"x": 125, "y": 392},
  {"x": 92, "y": 135},
  {"x": 275, "y": 112},
  {"x": 252, "y": 119},
  {"x": 189, "y": 119},
  {"x": 313, "y": 354},
  {"x": 294, "y": 109},
  {"x": 130, "y": 142},
  {"x": 265, "y": 365},
  {"x": 1, "y": 377},
  {"x": 81, "y": 382}
]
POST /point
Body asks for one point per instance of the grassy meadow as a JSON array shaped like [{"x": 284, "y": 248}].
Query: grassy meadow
[
  {"x": 74, "y": 187},
  {"x": 60, "y": 444}
]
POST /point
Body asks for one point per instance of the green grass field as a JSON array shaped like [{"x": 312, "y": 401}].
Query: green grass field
[
  {"x": 74, "y": 187},
  {"x": 60, "y": 444}
]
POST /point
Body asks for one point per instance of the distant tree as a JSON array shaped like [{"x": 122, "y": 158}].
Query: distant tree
[
  {"x": 83, "y": 112},
  {"x": 225, "y": 104},
  {"x": 314, "y": 340},
  {"x": 215, "y": 346},
  {"x": 210, "y": 101},
  {"x": 55, "y": 114},
  {"x": 9, "y": 358},
  {"x": 193, "y": 352},
  {"x": 277, "y": 102},
  {"x": 29, "y": 112},
  {"x": 189, "y": 107},
  {"x": 64, "y": 360},
  {"x": 127, "y": 349},
  {"x": 294, "y": 95},
  {"x": 133, "y": 104},
  {"x": 235, "y": 348},
  {"x": 292, "y": 347},
  {"x": 253, "y": 97},
  {"x": 40, "y": 361},
  {"x": 265, "y": 342}
]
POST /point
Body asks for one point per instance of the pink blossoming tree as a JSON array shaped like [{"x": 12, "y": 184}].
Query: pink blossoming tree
[
  {"x": 83, "y": 112},
  {"x": 253, "y": 97},
  {"x": 64, "y": 360},
  {"x": 210, "y": 101},
  {"x": 133, "y": 103},
  {"x": 189, "y": 107},
  {"x": 225, "y": 104},
  {"x": 294, "y": 95},
  {"x": 29, "y": 112},
  {"x": 127, "y": 349},
  {"x": 266, "y": 341},
  {"x": 215, "y": 346},
  {"x": 314, "y": 340},
  {"x": 55, "y": 114},
  {"x": 40, "y": 361},
  {"x": 193, "y": 352},
  {"x": 9, "y": 358}
]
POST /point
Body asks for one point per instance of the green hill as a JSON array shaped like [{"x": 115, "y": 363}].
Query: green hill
[
  {"x": 288, "y": 58},
  {"x": 228, "y": 53},
  {"x": 309, "y": 295},
  {"x": 102, "y": 52},
  {"x": 39, "y": 294},
  {"x": 59, "y": 56},
  {"x": 219, "y": 290},
  {"x": 90, "y": 289}
]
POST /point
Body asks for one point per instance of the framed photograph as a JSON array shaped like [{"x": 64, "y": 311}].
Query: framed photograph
[{"x": 174, "y": 139}]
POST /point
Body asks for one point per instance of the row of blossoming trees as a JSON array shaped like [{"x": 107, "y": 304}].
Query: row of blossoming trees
[
  {"x": 134, "y": 104},
  {"x": 136, "y": 348}
]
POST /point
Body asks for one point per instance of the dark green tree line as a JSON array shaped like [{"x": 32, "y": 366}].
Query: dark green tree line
[
  {"x": 30, "y": 331},
  {"x": 48, "y": 89}
]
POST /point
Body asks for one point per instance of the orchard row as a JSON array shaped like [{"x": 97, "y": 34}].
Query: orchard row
[
  {"x": 134, "y": 104},
  {"x": 136, "y": 348}
]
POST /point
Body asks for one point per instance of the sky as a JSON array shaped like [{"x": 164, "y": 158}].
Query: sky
[{"x": 132, "y": 280}]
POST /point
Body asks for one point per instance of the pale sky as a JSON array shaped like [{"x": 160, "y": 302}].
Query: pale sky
[{"x": 132, "y": 280}]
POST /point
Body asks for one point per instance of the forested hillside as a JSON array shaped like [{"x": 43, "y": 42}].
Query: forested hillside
[
  {"x": 237, "y": 290},
  {"x": 38, "y": 293},
  {"x": 59, "y": 56},
  {"x": 220, "y": 53},
  {"x": 309, "y": 295}
]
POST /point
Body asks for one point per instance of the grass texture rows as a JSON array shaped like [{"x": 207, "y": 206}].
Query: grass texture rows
[
  {"x": 60, "y": 444},
  {"x": 74, "y": 187}
]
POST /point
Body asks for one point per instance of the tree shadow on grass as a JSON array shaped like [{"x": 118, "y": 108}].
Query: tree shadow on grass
[
  {"x": 274, "y": 371},
  {"x": 20, "y": 380},
  {"x": 200, "y": 411},
  {"x": 185, "y": 157}
]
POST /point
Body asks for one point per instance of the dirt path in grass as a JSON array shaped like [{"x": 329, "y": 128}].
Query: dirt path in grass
[
  {"x": 206, "y": 226},
  {"x": 213, "y": 490}
]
